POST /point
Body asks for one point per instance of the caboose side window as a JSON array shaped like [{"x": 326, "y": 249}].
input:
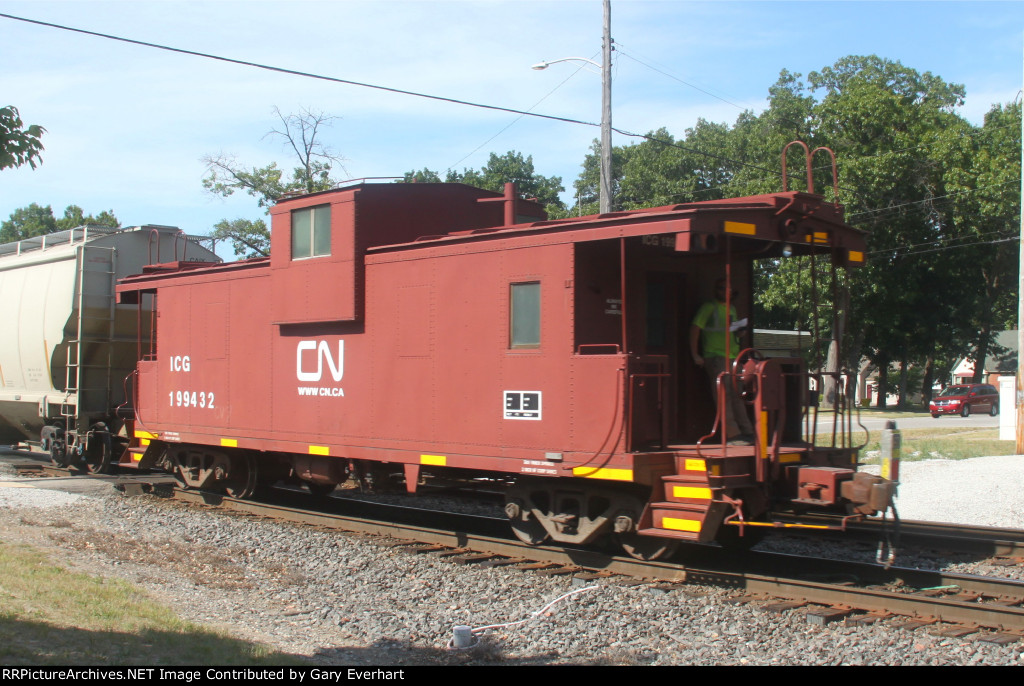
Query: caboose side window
[
  {"x": 524, "y": 327},
  {"x": 311, "y": 232}
]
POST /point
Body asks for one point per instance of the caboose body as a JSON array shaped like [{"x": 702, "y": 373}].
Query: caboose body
[{"x": 438, "y": 331}]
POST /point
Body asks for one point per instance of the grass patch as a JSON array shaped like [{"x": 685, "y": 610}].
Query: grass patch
[
  {"x": 51, "y": 616},
  {"x": 942, "y": 444}
]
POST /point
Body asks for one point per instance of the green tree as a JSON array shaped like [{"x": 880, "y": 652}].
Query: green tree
[
  {"x": 912, "y": 172},
  {"x": 35, "y": 220},
  {"x": 249, "y": 238},
  {"x": 423, "y": 176},
  {"x": 511, "y": 167},
  {"x": 301, "y": 135},
  {"x": 18, "y": 144},
  {"x": 986, "y": 215}
]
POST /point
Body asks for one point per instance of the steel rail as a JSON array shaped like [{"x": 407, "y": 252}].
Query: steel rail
[
  {"x": 454, "y": 539},
  {"x": 959, "y": 599},
  {"x": 958, "y": 609},
  {"x": 994, "y": 541},
  {"x": 942, "y": 596}
]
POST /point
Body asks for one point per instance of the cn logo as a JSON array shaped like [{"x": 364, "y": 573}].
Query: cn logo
[{"x": 322, "y": 352}]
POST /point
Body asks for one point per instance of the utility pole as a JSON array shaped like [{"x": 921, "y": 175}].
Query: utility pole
[
  {"x": 606, "y": 112},
  {"x": 1019, "y": 399}
]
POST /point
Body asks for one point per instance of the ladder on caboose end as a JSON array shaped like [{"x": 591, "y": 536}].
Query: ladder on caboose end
[
  {"x": 90, "y": 354},
  {"x": 827, "y": 316}
]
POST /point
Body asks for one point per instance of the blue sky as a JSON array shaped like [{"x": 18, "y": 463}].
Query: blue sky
[{"x": 128, "y": 125}]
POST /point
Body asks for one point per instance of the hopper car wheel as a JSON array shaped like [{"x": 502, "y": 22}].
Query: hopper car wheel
[
  {"x": 966, "y": 412},
  {"x": 242, "y": 481},
  {"x": 58, "y": 455},
  {"x": 646, "y": 548},
  {"x": 98, "y": 457},
  {"x": 58, "y": 449}
]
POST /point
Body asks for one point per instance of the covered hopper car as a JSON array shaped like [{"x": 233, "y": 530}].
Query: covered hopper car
[
  {"x": 406, "y": 333},
  {"x": 67, "y": 347}
]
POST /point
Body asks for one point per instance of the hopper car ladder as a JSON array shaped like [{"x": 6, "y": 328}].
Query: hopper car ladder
[{"x": 90, "y": 354}]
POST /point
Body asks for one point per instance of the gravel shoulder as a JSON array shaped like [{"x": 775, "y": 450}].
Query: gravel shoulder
[{"x": 343, "y": 599}]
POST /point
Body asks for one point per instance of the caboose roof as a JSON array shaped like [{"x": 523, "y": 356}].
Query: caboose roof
[
  {"x": 402, "y": 211},
  {"x": 803, "y": 219}
]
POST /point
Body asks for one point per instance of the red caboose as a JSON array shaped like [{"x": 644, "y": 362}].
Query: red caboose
[{"x": 439, "y": 330}]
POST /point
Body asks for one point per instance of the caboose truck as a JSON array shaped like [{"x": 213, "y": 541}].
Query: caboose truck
[{"x": 432, "y": 331}]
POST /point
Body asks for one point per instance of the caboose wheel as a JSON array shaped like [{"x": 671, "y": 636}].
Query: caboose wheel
[
  {"x": 525, "y": 526},
  {"x": 241, "y": 481},
  {"x": 646, "y": 548}
]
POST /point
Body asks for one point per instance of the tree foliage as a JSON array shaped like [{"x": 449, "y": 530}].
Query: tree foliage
[
  {"x": 511, "y": 167},
  {"x": 35, "y": 220},
  {"x": 301, "y": 135},
  {"x": 932, "y": 190},
  {"x": 249, "y": 238},
  {"x": 18, "y": 144}
]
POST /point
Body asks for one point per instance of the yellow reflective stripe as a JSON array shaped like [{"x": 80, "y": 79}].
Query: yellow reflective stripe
[
  {"x": 695, "y": 466},
  {"x": 144, "y": 434},
  {"x": 789, "y": 457},
  {"x": 319, "y": 450},
  {"x": 856, "y": 256},
  {"x": 143, "y": 441},
  {"x": 436, "y": 460},
  {"x": 603, "y": 473},
  {"x": 741, "y": 227},
  {"x": 819, "y": 237},
  {"x": 691, "y": 492},
  {"x": 677, "y": 524},
  {"x": 229, "y": 442},
  {"x": 716, "y": 470}
]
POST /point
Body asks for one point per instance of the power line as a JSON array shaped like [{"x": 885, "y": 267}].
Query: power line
[
  {"x": 517, "y": 119},
  {"x": 399, "y": 91},
  {"x": 456, "y": 101},
  {"x": 305, "y": 74},
  {"x": 951, "y": 247},
  {"x": 676, "y": 78},
  {"x": 931, "y": 199},
  {"x": 952, "y": 239}
]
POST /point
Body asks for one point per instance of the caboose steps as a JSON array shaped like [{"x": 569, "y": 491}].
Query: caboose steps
[{"x": 676, "y": 520}]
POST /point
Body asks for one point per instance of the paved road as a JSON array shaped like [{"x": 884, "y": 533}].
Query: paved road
[{"x": 924, "y": 421}]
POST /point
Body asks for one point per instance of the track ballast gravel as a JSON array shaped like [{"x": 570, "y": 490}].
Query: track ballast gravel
[{"x": 344, "y": 599}]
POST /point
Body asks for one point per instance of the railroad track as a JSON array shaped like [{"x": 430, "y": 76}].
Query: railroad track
[
  {"x": 853, "y": 592},
  {"x": 980, "y": 540}
]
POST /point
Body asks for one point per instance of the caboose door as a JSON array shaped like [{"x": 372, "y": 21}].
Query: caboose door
[{"x": 654, "y": 366}]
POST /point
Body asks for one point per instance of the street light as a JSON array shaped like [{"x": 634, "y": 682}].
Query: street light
[
  {"x": 544, "y": 65},
  {"x": 606, "y": 106}
]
